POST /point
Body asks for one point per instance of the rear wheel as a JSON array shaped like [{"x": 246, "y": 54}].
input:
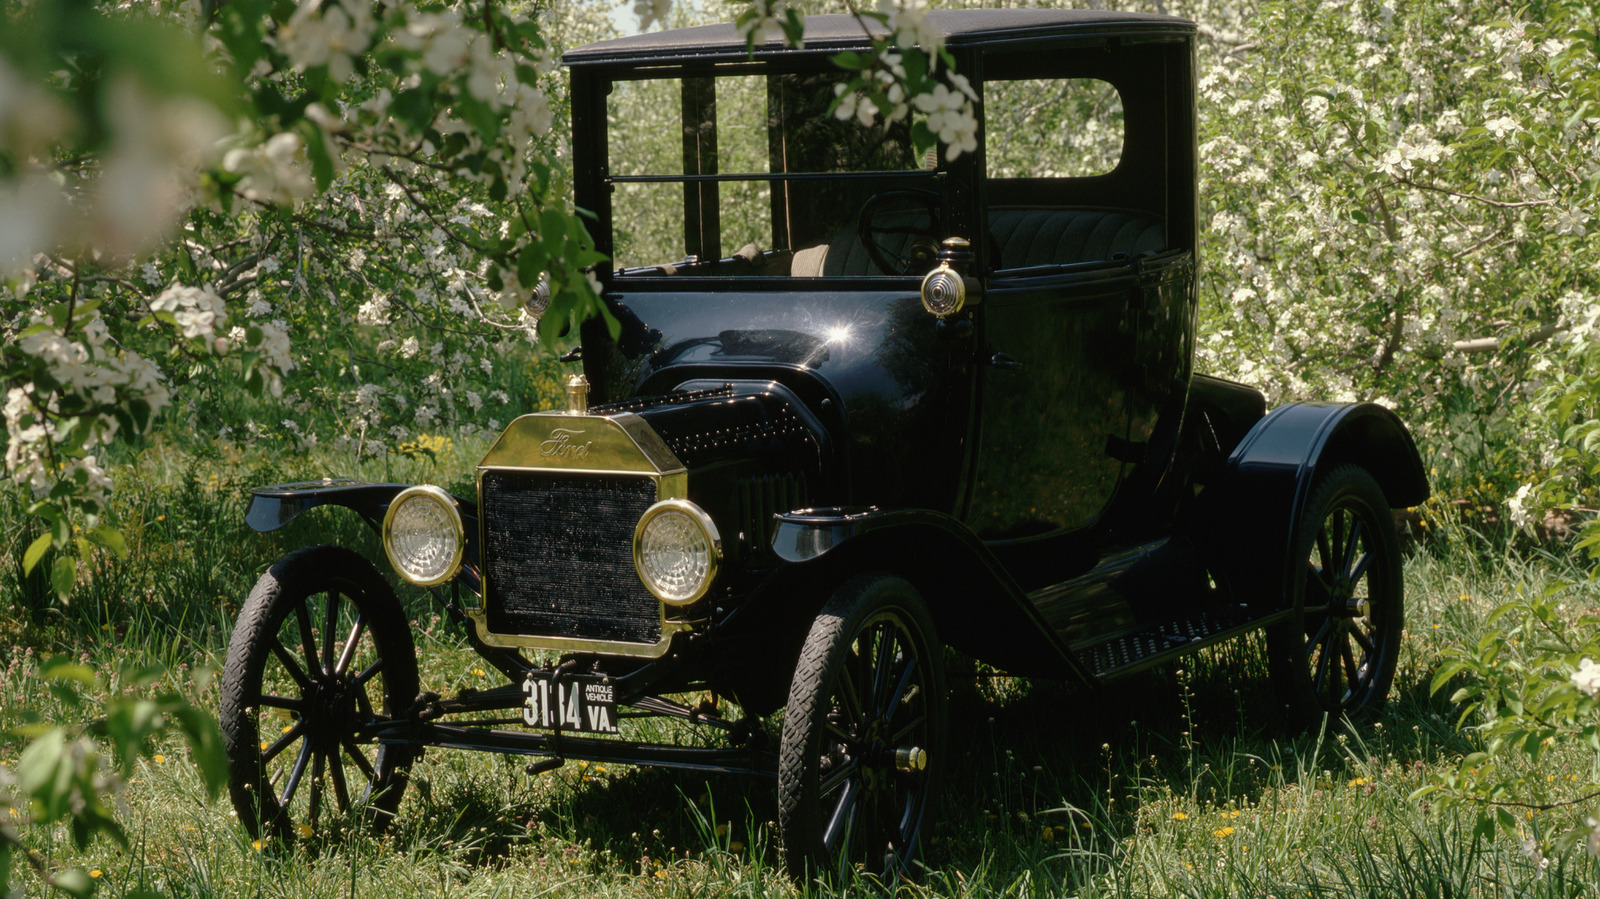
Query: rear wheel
[
  {"x": 320, "y": 658},
  {"x": 1337, "y": 654},
  {"x": 863, "y": 735}
]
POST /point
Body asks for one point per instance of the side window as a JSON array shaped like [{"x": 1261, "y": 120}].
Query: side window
[
  {"x": 1052, "y": 127},
  {"x": 749, "y": 173},
  {"x": 1062, "y": 186}
]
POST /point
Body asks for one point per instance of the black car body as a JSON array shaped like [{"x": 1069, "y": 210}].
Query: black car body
[{"x": 862, "y": 402}]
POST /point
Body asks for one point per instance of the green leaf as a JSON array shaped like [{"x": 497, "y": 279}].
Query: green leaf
[
  {"x": 63, "y": 575},
  {"x": 110, "y": 538},
  {"x": 35, "y": 552},
  {"x": 530, "y": 262},
  {"x": 73, "y": 882},
  {"x": 64, "y": 668}
]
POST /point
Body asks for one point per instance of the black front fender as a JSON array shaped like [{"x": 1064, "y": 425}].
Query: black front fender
[
  {"x": 274, "y": 506},
  {"x": 976, "y": 606}
]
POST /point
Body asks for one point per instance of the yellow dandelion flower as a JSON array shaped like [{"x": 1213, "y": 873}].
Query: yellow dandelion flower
[
  {"x": 1548, "y": 778},
  {"x": 287, "y": 728},
  {"x": 1048, "y": 835},
  {"x": 722, "y": 830},
  {"x": 256, "y": 845},
  {"x": 264, "y": 745},
  {"x": 735, "y": 846},
  {"x": 1356, "y": 782},
  {"x": 478, "y": 672},
  {"x": 1180, "y": 816},
  {"x": 661, "y": 874},
  {"x": 159, "y": 759},
  {"x": 97, "y": 873},
  {"x": 304, "y": 830},
  {"x": 1222, "y": 832}
]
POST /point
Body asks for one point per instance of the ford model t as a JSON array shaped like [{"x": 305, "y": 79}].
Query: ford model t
[{"x": 864, "y": 404}]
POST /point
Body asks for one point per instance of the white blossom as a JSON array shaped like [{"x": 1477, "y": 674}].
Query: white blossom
[{"x": 1587, "y": 677}]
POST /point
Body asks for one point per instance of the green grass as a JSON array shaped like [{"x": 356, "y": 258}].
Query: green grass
[{"x": 1052, "y": 791}]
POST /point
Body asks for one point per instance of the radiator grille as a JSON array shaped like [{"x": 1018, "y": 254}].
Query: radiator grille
[{"x": 558, "y": 556}]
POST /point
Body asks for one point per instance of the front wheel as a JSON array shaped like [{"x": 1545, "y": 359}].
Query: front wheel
[
  {"x": 863, "y": 735},
  {"x": 1337, "y": 654},
  {"x": 320, "y": 659}
]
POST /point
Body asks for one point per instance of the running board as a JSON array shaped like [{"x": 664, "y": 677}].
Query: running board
[{"x": 1136, "y": 649}]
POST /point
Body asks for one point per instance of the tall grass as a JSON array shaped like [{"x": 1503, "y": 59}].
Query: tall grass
[{"x": 1051, "y": 791}]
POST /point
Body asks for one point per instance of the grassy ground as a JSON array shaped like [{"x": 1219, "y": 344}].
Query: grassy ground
[{"x": 1173, "y": 783}]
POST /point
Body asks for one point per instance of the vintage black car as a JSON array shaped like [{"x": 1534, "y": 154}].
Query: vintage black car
[{"x": 864, "y": 404}]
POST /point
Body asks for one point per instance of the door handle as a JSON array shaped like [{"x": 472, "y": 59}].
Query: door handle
[{"x": 1001, "y": 360}]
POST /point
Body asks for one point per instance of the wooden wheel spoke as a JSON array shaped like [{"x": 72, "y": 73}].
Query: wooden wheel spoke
[
  {"x": 901, "y": 686},
  {"x": 341, "y": 791},
  {"x": 307, "y": 638},
  {"x": 330, "y": 620},
  {"x": 882, "y": 666},
  {"x": 318, "y": 762},
  {"x": 1351, "y": 669},
  {"x": 849, "y": 695},
  {"x": 1319, "y": 671},
  {"x": 1365, "y": 639},
  {"x": 295, "y": 774},
  {"x": 1316, "y": 637},
  {"x": 1359, "y": 569},
  {"x": 359, "y": 758},
  {"x": 278, "y": 745},
  {"x": 364, "y": 704},
  {"x": 899, "y": 737},
  {"x": 1352, "y": 546},
  {"x": 368, "y": 673},
  {"x": 842, "y": 820},
  {"x": 292, "y": 704},
  {"x": 290, "y": 665},
  {"x": 839, "y": 734},
  {"x": 837, "y": 777},
  {"x": 1324, "y": 553},
  {"x": 350, "y": 644}
]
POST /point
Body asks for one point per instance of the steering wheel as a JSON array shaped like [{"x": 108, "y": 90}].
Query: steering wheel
[{"x": 900, "y": 230}]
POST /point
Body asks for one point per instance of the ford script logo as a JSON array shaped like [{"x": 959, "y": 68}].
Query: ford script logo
[{"x": 560, "y": 444}]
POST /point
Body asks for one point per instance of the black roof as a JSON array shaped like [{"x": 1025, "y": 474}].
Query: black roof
[{"x": 831, "y": 33}]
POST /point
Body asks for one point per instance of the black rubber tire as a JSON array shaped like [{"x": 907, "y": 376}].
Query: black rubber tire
[
  {"x": 1332, "y": 658},
  {"x": 870, "y": 680},
  {"x": 292, "y": 659}
]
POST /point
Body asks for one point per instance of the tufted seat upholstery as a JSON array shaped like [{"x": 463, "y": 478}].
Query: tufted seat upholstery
[
  {"x": 1029, "y": 236},
  {"x": 1025, "y": 235}
]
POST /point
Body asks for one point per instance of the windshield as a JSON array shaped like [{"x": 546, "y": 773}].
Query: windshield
[{"x": 749, "y": 174}]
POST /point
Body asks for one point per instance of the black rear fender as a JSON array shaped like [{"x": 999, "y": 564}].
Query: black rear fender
[{"x": 1245, "y": 521}]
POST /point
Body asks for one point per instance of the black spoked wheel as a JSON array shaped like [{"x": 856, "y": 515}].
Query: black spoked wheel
[
  {"x": 1337, "y": 656},
  {"x": 863, "y": 735},
  {"x": 320, "y": 658}
]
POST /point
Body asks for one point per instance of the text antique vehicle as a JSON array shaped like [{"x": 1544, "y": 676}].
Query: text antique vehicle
[{"x": 864, "y": 403}]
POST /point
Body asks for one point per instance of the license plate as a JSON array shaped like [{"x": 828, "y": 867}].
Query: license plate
[{"x": 575, "y": 703}]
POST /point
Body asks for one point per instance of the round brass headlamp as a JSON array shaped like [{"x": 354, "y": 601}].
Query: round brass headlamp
[
  {"x": 676, "y": 550},
  {"x": 423, "y": 536},
  {"x": 944, "y": 291}
]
